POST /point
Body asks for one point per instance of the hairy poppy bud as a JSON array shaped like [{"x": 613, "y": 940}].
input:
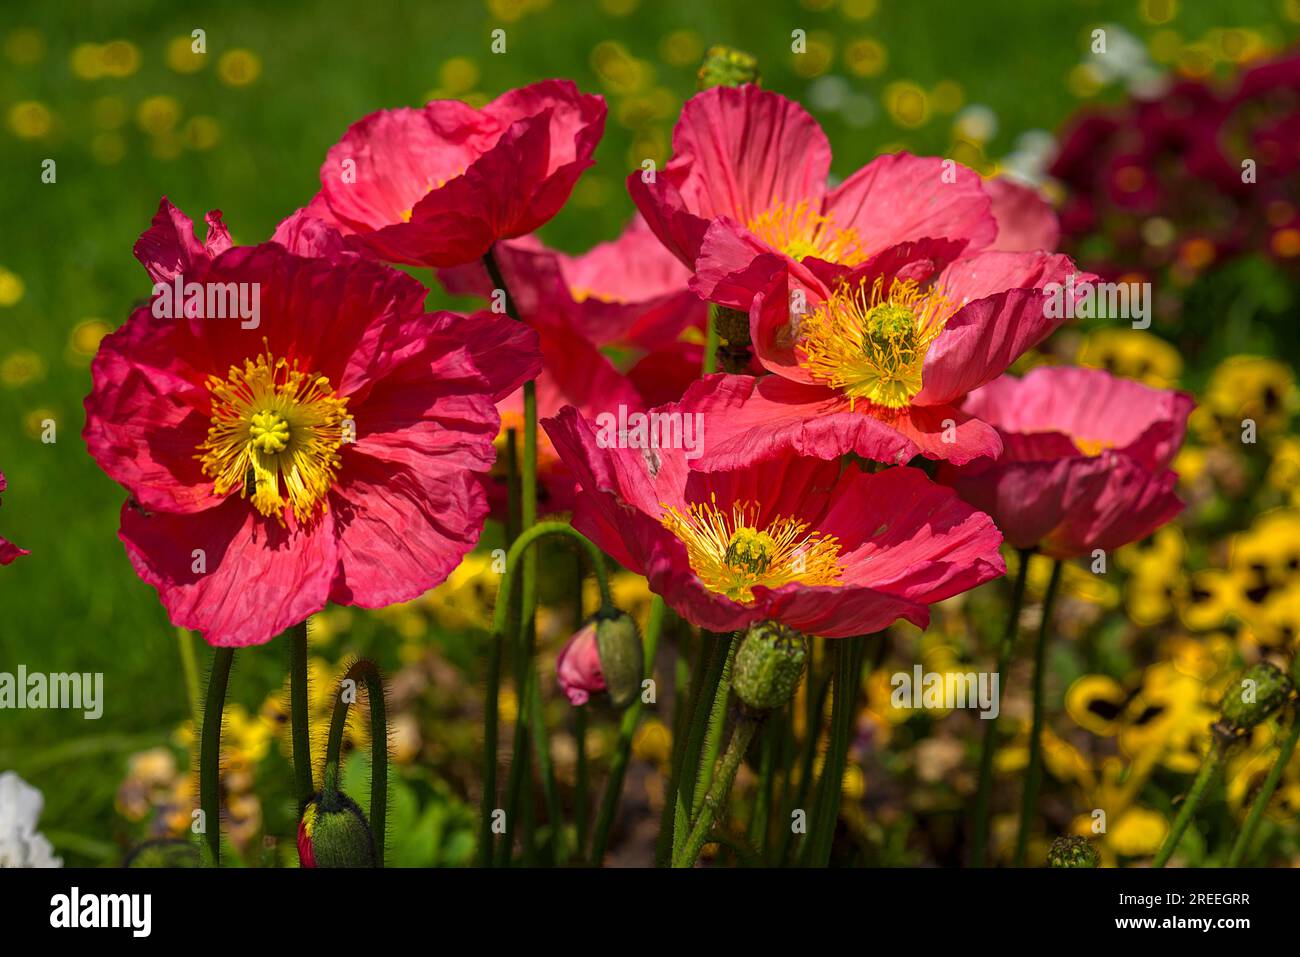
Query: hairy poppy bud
[
  {"x": 724, "y": 66},
  {"x": 333, "y": 832},
  {"x": 1073, "y": 852},
  {"x": 1260, "y": 691},
  {"x": 768, "y": 665},
  {"x": 621, "y": 657},
  {"x": 603, "y": 655}
]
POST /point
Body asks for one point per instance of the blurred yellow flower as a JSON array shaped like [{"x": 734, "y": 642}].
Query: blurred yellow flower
[
  {"x": 107, "y": 148},
  {"x": 21, "y": 368},
  {"x": 907, "y": 103},
  {"x": 1096, "y": 702},
  {"x": 866, "y": 57},
  {"x": 158, "y": 114},
  {"x": 201, "y": 133},
  {"x": 11, "y": 288},
  {"x": 30, "y": 119},
  {"x": 1133, "y": 354},
  {"x": 239, "y": 67},
  {"x": 85, "y": 336},
  {"x": 458, "y": 75},
  {"x": 817, "y": 57},
  {"x": 181, "y": 57},
  {"x": 682, "y": 48},
  {"x": 24, "y": 46},
  {"x": 1138, "y": 832}
]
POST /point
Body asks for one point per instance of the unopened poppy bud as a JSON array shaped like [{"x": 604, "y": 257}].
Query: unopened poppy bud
[
  {"x": 333, "y": 832},
  {"x": 768, "y": 665},
  {"x": 1073, "y": 852},
  {"x": 603, "y": 655},
  {"x": 1261, "y": 690},
  {"x": 621, "y": 657},
  {"x": 724, "y": 66}
]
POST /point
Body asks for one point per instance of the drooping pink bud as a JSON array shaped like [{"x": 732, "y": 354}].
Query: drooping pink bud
[{"x": 578, "y": 667}]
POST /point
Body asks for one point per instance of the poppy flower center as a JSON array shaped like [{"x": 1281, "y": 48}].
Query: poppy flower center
[
  {"x": 731, "y": 555},
  {"x": 799, "y": 232},
  {"x": 871, "y": 345},
  {"x": 275, "y": 436}
]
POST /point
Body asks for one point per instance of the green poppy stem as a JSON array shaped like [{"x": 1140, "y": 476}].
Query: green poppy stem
[
  {"x": 686, "y": 695},
  {"x": 847, "y": 653},
  {"x": 1209, "y": 767},
  {"x": 701, "y": 712},
  {"x": 712, "y": 341},
  {"x": 980, "y": 835},
  {"x": 366, "y": 671},
  {"x": 190, "y": 670},
  {"x": 300, "y": 730},
  {"x": 626, "y": 731},
  {"x": 1029, "y": 799},
  {"x": 713, "y": 803},
  {"x": 816, "y": 707},
  {"x": 1241, "y": 849},
  {"x": 500, "y": 623},
  {"x": 210, "y": 751},
  {"x": 717, "y": 722}
]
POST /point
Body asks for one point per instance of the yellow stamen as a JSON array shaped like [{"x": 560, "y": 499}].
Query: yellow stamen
[
  {"x": 274, "y": 425},
  {"x": 731, "y": 555},
  {"x": 871, "y": 345},
  {"x": 1093, "y": 447},
  {"x": 799, "y": 232}
]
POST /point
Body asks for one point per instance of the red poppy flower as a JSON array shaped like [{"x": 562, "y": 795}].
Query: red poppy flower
[
  {"x": 332, "y": 453},
  {"x": 8, "y": 550},
  {"x": 826, "y": 551},
  {"x": 612, "y": 322},
  {"x": 1084, "y": 463},
  {"x": 876, "y": 359},
  {"x": 437, "y": 186},
  {"x": 749, "y": 176}
]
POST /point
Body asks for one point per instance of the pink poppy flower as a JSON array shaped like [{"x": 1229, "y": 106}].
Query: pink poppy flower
[
  {"x": 791, "y": 539},
  {"x": 749, "y": 175},
  {"x": 629, "y": 293},
  {"x": 8, "y": 550},
  {"x": 437, "y": 186},
  {"x": 626, "y": 298},
  {"x": 1084, "y": 463},
  {"x": 876, "y": 359},
  {"x": 169, "y": 247},
  {"x": 577, "y": 670},
  {"x": 332, "y": 453},
  {"x": 1026, "y": 221}
]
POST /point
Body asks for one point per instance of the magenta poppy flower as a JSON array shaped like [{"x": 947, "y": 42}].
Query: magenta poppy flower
[
  {"x": 1085, "y": 460},
  {"x": 1026, "y": 221},
  {"x": 877, "y": 359},
  {"x": 827, "y": 551},
  {"x": 330, "y": 453},
  {"x": 8, "y": 550},
  {"x": 577, "y": 670},
  {"x": 625, "y": 299},
  {"x": 750, "y": 171},
  {"x": 629, "y": 293},
  {"x": 437, "y": 186}
]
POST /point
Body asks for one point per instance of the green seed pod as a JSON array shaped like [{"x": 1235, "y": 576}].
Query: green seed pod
[
  {"x": 332, "y": 831},
  {"x": 1261, "y": 690},
  {"x": 724, "y": 66},
  {"x": 622, "y": 661},
  {"x": 1073, "y": 852},
  {"x": 768, "y": 665}
]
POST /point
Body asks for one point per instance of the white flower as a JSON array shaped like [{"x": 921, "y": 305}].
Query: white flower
[{"x": 20, "y": 809}]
